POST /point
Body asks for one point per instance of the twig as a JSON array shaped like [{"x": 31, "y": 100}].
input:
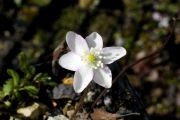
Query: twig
[
  {"x": 80, "y": 102},
  {"x": 138, "y": 61},
  {"x": 129, "y": 114}
]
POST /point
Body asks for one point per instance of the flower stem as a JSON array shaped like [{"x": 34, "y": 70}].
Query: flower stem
[
  {"x": 156, "y": 53},
  {"x": 80, "y": 104}
]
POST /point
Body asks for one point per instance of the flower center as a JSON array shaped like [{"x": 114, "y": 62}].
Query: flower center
[{"x": 93, "y": 58}]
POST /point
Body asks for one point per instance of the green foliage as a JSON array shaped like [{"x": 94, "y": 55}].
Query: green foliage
[
  {"x": 15, "y": 77},
  {"x": 28, "y": 83},
  {"x": 24, "y": 64},
  {"x": 31, "y": 90},
  {"x": 7, "y": 87},
  {"x": 1, "y": 94},
  {"x": 7, "y": 103},
  {"x": 44, "y": 79}
]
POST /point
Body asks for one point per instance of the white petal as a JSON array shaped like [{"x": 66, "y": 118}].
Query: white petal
[
  {"x": 76, "y": 43},
  {"x": 103, "y": 77},
  {"x": 82, "y": 78},
  {"x": 70, "y": 61},
  {"x": 94, "y": 40},
  {"x": 112, "y": 54}
]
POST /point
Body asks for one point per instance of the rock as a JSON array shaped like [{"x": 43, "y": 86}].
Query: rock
[{"x": 58, "y": 117}]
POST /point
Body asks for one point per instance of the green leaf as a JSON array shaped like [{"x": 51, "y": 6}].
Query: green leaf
[
  {"x": 28, "y": 70},
  {"x": 16, "y": 94},
  {"x": 1, "y": 95},
  {"x": 37, "y": 76},
  {"x": 7, "y": 103},
  {"x": 23, "y": 61},
  {"x": 42, "y": 77},
  {"x": 8, "y": 87},
  {"x": 51, "y": 83},
  {"x": 32, "y": 70},
  {"x": 15, "y": 77},
  {"x": 31, "y": 89}
]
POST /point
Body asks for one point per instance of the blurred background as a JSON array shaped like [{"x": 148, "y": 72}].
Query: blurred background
[{"x": 37, "y": 27}]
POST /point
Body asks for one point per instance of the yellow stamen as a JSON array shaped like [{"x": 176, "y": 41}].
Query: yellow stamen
[{"x": 91, "y": 58}]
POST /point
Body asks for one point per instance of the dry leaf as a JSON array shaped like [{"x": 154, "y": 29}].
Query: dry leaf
[
  {"x": 100, "y": 114},
  {"x": 68, "y": 81},
  {"x": 59, "y": 50}
]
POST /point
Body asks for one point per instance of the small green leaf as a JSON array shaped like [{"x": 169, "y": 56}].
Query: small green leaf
[
  {"x": 38, "y": 76},
  {"x": 42, "y": 77},
  {"x": 7, "y": 103},
  {"x": 51, "y": 83},
  {"x": 31, "y": 89},
  {"x": 32, "y": 70},
  {"x": 15, "y": 76},
  {"x": 8, "y": 87},
  {"x": 23, "y": 61},
  {"x": 1, "y": 95},
  {"x": 17, "y": 94}
]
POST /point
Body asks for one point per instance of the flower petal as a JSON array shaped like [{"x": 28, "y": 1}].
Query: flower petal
[
  {"x": 103, "y": 77},
  {"x": 94, "y": 40},
  {"x": 82, "y": 78},
  {"x": 70, "y": 61},
  {"x": 76, "y": 43},
  {"x": 112, "y": 54}
]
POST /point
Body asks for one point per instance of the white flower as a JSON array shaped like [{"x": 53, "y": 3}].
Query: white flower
[{"x": 88, "y": 58}]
